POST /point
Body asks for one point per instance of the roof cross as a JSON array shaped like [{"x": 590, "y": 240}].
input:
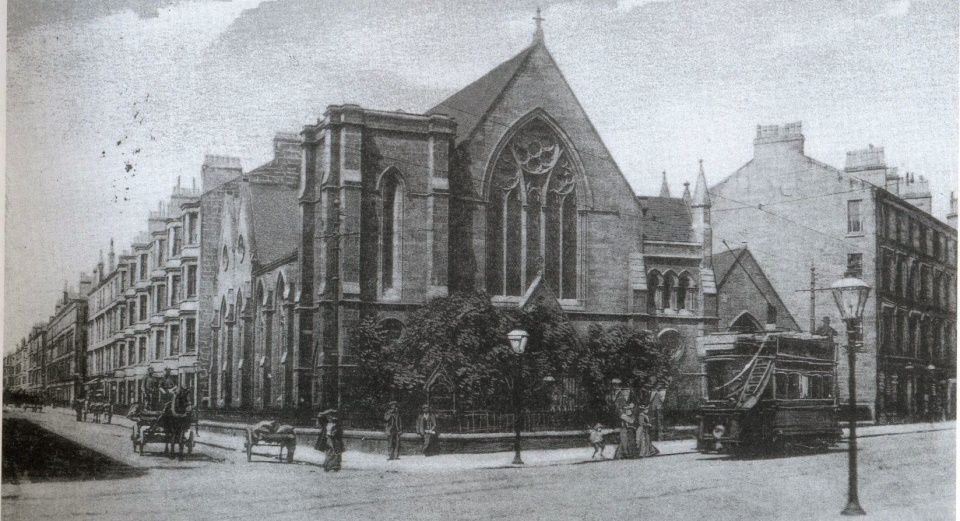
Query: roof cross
[{"x": 538, "y": 34}]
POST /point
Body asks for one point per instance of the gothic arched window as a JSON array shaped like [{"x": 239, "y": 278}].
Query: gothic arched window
[
  {"x": 666, "y": 296},
  {"x": 653, "y": 292},
  {"x": 532, "y": 215},
  {"x": 391, "y": 226}
]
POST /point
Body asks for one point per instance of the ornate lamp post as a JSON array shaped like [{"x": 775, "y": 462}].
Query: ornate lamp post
[
  {"x": 850, "y": 295},
  {"x": 518, "y": 341}
]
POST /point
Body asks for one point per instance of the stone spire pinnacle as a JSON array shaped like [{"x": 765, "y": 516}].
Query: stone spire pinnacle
[
  {"x": 700, "y": 195},
  {"x": 538, "y": 33},
  {"x": 686, "y": 192},
  {"x": 664, "y": 187}
]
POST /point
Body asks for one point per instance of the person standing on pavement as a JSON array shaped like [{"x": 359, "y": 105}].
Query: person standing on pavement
[
  {"x": 627, "y": 448},
  {"x": 392, "y": 427},
  {"x": 330, "y": 440},
  {"x": 78, "y": 408},
  {"x": 427, "y": 429},
  {"x": 645, "y": 447}
]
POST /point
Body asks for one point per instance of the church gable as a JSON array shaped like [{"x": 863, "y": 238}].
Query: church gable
[{"x": 507, "y": 97}]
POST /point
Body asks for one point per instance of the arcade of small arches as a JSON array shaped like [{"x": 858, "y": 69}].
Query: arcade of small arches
[{"x": 669, "y": 292}]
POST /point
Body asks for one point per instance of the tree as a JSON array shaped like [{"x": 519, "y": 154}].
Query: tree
[
  {"x": 632, "y": 356},
  {"x": 466, "y": 336}
]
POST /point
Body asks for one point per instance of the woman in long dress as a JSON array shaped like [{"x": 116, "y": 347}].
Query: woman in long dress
[
  {"x": 330, "y": 440},
  {"x": 645, "y": 447},
  {"x": 627, "y": 448}
]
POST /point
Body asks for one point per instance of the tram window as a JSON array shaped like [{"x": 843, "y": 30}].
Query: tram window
[
  {"x": 782, "y": 385},
  {"x": 816, "y": 386},
  {"x": 827, "y": 386},
  {"x": 793, "y": 391},
  {"x": 804, "y": 391}
]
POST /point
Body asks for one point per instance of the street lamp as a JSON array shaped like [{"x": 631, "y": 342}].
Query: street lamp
[
  {"x": 518, "y": 341},
  {"x": 850, "y": 294}
]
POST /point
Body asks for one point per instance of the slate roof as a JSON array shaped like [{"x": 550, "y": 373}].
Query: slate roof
[
  {"x": 665, "y": 219},
  {"x": 726, "y": 261},
  {"x": 723, "y": 261},
  {"x": 274, "y": 212},
  {"x": 470, "y": 105}
]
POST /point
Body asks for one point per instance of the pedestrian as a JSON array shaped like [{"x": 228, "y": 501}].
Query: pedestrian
[
  {"x": 627, "y": 448},
  {"x": 392, "y": 427},
  {"x": 78, "y": 408},
  {"x": 596, "y": 440},
  {"x": 427, "y": 429},
  {"x": 645, "y": 447},
  {"x": 330, "y": 440}
]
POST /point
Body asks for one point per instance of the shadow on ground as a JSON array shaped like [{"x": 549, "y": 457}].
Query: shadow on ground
[{"x": 32, "y": 454}]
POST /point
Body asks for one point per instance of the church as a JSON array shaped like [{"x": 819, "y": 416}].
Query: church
[{"x": 503, "y": 185}]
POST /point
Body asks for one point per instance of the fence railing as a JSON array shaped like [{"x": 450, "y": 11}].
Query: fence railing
[{"x": 482, "y": 421}]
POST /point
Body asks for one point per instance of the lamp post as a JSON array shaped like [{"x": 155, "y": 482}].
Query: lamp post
[
  {"x": 518, "y": 342},
  {"x": 850, "y": 294}
]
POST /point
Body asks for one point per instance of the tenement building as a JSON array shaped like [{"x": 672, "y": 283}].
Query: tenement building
[
  {"x": 15, "y": 368},
  {"x": 503, "y": 185},
  {"x": 145, "y": 318},
  {"x": 34, "y": 358},
  {"x": 809, "y": 223},
  {"x": 64, "y": 359}
]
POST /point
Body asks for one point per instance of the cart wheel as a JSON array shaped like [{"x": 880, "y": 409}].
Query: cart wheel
[
  {"x": 190, "y": 443},
  {"x": 249, "y": 446}
]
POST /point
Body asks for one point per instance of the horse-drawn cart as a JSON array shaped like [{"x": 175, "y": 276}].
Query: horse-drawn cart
[
  {"x": 262, "y": 436},
  {"x": 148, "y": 429},
  {"x": 174, "y": 424}
]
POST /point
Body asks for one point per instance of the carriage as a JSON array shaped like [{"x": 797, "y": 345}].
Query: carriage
[
  {"x": 33, "y": 402},
  {"x": 167, "y": 426},
  {"x": 768, "y": 391},
  {"x": 261, "y": 435}
]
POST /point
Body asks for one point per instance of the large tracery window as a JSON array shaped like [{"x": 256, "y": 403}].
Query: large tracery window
[{"x": 532, "y": 215}]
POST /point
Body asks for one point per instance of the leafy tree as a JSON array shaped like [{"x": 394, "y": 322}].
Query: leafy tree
[
  {"x": 633, "y": 356},
  {"x": 466, "y": 335}
]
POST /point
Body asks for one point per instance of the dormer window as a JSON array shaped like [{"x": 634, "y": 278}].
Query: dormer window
[{"x": 224, "y": 259}]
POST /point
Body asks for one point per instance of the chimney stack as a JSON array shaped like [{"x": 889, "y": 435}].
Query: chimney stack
[{"x": 111, "y": 259}]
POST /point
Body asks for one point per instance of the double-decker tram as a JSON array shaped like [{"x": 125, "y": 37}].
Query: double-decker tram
[{"x": 767, "y": 391}]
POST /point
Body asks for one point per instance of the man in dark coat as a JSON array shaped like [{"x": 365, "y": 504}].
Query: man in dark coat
[
  {"x": 427, "y": 429},
  {"x": 392, "y": 428}
]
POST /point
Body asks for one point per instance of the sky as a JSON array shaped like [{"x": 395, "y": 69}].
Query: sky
[{"x": 109, "y": 102}]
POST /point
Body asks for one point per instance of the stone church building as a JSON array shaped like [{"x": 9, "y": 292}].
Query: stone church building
[{"x": 503, "y": 181}]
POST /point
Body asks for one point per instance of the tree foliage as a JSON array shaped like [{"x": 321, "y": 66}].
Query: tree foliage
[{"x": 465, "y": 336}]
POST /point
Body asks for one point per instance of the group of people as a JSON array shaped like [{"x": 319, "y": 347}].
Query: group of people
[
  {"x": 330, "y": 440},
  {"x": 634, "y": 439}
]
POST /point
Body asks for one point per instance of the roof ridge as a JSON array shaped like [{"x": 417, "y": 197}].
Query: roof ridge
[{"x": 472, "y": 104}]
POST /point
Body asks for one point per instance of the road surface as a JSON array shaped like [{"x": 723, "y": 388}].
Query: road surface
[{"x": 907, "y": 475}]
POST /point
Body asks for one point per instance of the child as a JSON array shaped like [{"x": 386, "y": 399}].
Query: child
[{"x": 596, "y": 439}]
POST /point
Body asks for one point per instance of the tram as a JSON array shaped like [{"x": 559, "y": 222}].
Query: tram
[{"x": 767, "y": 391}]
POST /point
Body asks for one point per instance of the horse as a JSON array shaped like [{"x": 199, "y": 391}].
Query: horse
[
  {"x": 96, "y": 409},
  {"x": 175, "y": 419}
]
